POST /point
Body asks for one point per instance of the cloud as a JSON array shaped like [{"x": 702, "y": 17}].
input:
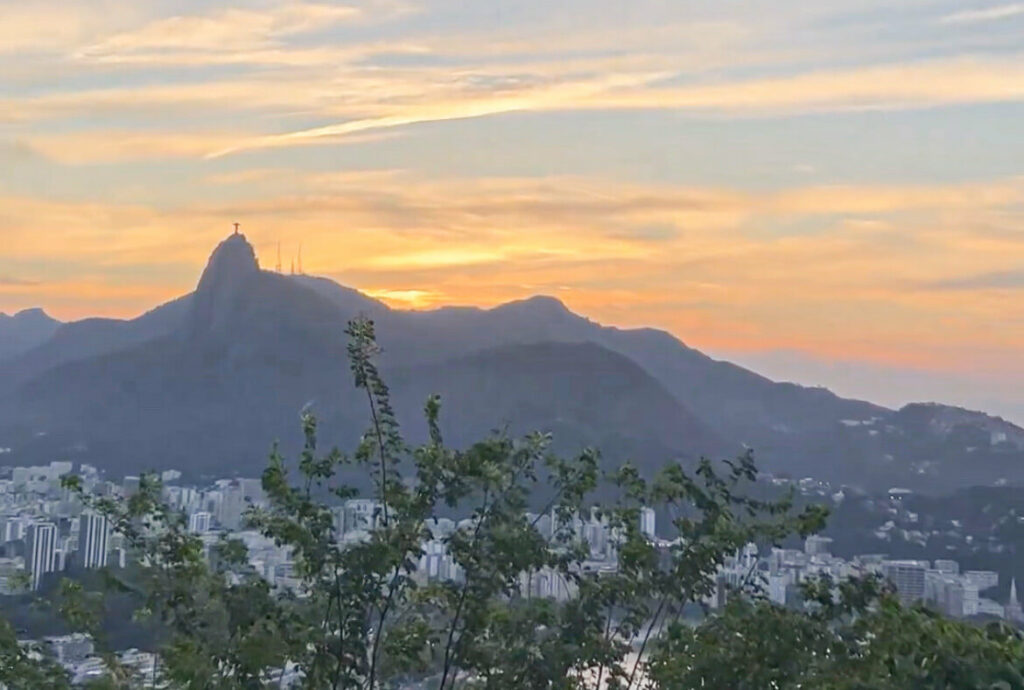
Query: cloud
[
  {"x": 106, "y": 146},
  {"x": 995, "y": 280},
  {"x": 283, "y": 71},
  {"x": 987, "y": 14},
  {"x": 648, "y": 233},
  {"x": 887, "y": 86},
  {"x": 223, "y": 31},
  {"x": 922, "y": 84},
  {"x": 245, "y": 177},
  {"x": 11, "y": 281},
  {"x": 406, "y": 299},
  {"x": 119, "y": 146},
  {"x": 881, "y": 199},
  {"x": 439, "y": 258},
  {"x": 344, "y": 88},
  {"x": 532, "y": 96},
  {"x": 34, "y": 28}
]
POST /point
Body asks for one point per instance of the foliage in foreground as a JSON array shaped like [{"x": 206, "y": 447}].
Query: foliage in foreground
[
  {"x": 361, "y": 619},
  {"x": 853, "y": 635}
]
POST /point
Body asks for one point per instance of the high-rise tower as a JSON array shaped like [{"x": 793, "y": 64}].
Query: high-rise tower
[
  {"x": 41, "y": 550},
  {"x": 93, "y": 537}
]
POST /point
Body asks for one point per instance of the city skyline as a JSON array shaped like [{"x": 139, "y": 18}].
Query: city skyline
[
  {"x": 55, "y": 532},
  {"x": 829, "y": 194}
]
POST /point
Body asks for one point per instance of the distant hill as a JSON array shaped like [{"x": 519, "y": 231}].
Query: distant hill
[
  {"x": 946, "y": 422},
  {"x": 79, "y": 340},
  {"x": 205, "y": 383},
  {"x": 24, "y": 331},
  {"x": 582, "y": 392}
]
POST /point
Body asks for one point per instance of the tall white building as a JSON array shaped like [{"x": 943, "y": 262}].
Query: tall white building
[
  {"x": 130, "y": 486},
  {"x": 40, "y": 552},
  {"x": 816, "y": 545},
  {"x": 232, "y": 507},
  {"x": 199, "y": 522},
  {"x": 93, "y": 540},
  {"x": 189, "y": 499},
  {"x": 362, "y": 514},
  {"x": 13, "y": 529},
  {"x": 647, "y": 522}
]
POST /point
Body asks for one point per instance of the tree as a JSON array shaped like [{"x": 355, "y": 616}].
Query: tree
[
  {"x": 27, "y": 666},
  {"x": 853, "y": 635}
]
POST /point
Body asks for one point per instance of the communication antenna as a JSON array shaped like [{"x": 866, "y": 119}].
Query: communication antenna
[
  {"x": 278, "y": 267},
  {"x": 293, "y": 266},
  {"x": 300, "y": 258}
]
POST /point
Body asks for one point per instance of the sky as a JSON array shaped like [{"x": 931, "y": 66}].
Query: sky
[{"x": 829, "y": 192}]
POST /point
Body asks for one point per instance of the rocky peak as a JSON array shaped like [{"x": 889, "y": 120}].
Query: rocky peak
[
  {"x": 232, "y": 263},
  {"x": 230, "y": 268},
  {"x": 30, "y": 315}
]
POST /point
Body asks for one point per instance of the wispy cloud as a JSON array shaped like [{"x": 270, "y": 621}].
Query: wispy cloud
[
  {"x": 922, "y": 84},
  {"x": 281, "y": 69},
  {"x": 246, "y": 176},
  {"x": 658, "y": 232},
  {"x": 986, "y": 14},
  {"x": 893, "y": 86},
  {"x": 31, "y": 27},
  {"x": 534, "y": 96},
  {"x": 11, "y": 281},
  {"x": 439, "y": 258},
  {"x": 220, "y": 31},
  {"x": 106, "y": 146},
  {"x": 995, "y": 280},
  {"x": 118, "y": 146}
]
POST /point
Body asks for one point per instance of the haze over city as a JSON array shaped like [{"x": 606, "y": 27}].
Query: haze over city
[{"x": 826, "y": 192}]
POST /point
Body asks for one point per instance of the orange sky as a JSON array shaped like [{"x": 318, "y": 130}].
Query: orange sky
[{"x": 754, "y": 177}]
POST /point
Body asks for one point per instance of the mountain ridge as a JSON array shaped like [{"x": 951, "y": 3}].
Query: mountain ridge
[
  {"x": 251, "y": 347},
  {"x": 24, "y": 330}
]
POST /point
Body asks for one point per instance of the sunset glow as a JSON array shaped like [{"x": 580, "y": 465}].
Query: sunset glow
[{"x": 842, "y": 180}]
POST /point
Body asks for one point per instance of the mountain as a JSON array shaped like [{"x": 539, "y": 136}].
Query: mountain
[
  {"x": 210, "y": 389},
  {"x": 975, "y": 448},
  {"x": 945, "y": 422},
  {"x": 790, "y": 426},
  {"x": 348, "y": 300},
  {"x": 205, "y": 387},
  {"x": 205, "y": 383},
  {"x": 583, "y": 393},
  {"x": 24, "y": 331},
  {"x": 79, "y": 340}
]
